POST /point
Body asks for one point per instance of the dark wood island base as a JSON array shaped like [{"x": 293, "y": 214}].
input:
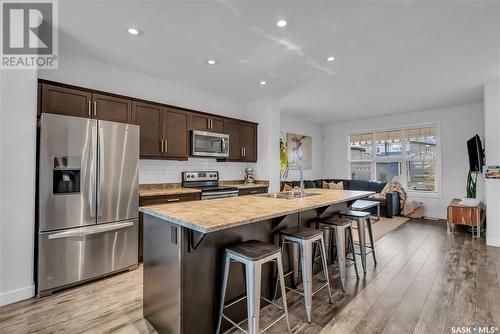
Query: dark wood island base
[{"x": 184, "y": 245}]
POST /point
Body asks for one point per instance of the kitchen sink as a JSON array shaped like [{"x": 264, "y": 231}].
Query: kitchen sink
[{"x": 286, "y": 195}]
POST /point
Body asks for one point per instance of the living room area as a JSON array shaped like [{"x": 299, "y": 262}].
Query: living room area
[{"x": 417, "y": 159}]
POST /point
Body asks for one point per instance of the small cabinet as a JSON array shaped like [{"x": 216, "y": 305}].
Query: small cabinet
[
  {"x": 111, "y": 108},
  {"x": 83, "y": 103},
  {"x": 233, "y": 130},
  {"x": 65, "y": 101},
  {"x": 252, "y": 191},
  {"x": 206, "y": 123},
  {"x": 164, "y": 131},
  {"x": 150, "y": 118},
  {"x": 242, "y": 141},
  {"x": 248, "y": 141},
  {"x": 175, "y": 132}
]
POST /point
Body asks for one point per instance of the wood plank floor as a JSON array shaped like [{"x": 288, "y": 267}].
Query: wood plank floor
[{"x": 426, "y": 281}]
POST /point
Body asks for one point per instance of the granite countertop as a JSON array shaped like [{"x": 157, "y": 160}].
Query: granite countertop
[
  {"x": 165, "y": 189},
  {"x": 219, "y": 214}
]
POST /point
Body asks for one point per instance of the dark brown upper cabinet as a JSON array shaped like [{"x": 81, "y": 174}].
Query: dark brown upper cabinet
[
  {"x": 66, "y": 101},
  {"x": 235, "y": 149},
  {"x": 164, "y": 128},
  {"x": 242, "y": 141},
  {"x": 111, "y": 108},
  {"x": 150, "y": 118},
  {"x": 164, "y": 131},
  {"x": 204, "y": 122},
  {"x": 248, "y": 141},
  {"x": 82, "y": 103},
  {"x": 175, "y": 132}
]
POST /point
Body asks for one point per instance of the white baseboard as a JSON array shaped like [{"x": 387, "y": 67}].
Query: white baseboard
[
  {"x": 492, "y": 241},
  {"x": 13, "y": 296}
]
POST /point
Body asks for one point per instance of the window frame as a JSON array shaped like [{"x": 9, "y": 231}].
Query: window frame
[{"x": 403, "y": 159}]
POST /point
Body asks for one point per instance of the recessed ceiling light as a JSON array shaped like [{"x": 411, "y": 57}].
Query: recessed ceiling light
[
  {"x": 133, "y": 31},
  {"x": 263, "y": 83},
  {"x": 281, "y": 23},
  {"x": 211, "y": 62},
  {"x": 331, "y": 58}
]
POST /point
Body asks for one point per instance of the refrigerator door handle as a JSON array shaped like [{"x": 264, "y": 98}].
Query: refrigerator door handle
[
  {"x": 93, "y": 172},
  {"x": 100, "y": 177},
  {"x": 81, "y": 232}
]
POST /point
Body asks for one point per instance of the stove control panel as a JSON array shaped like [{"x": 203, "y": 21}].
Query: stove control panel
[{"x": 200, "y": 176}]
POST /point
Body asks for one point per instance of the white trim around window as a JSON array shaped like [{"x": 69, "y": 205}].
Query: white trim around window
[{"x": 402, "y": 159}]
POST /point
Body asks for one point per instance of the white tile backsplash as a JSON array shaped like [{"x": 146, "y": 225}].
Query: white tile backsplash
[{"x": 169, "y": 171}]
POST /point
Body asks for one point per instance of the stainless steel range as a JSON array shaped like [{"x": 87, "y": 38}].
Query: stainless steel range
[{"x": 208, "y": 183}]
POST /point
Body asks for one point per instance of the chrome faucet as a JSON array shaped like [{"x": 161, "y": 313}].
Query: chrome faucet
[{"x": 300, "y": 167}]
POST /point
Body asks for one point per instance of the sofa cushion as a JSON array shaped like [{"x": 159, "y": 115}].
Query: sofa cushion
[
  {"x": 333, "y": 185},
  {"x": 320, "y": 182}
]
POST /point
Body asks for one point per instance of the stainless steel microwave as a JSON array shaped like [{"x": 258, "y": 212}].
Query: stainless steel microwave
[{"x": 209, "y": 144}]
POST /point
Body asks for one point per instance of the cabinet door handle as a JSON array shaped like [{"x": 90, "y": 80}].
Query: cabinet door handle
[
  {"x": 162, "y": 150},
  {"x": 173, "y": 199},
  {"x": 89, "y": 112},
  {"x": 244, "y": 151},
  {"x": 166, "y": 145},
  {"x": 95, "y": 108}
]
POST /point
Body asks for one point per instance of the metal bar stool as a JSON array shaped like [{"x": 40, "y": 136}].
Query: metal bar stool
[
  {"x": 252, "y": 254},
  {"x": 341, "y": 227},
  {"x": 305, "y": 238},
  {"x": 362, "y": 219}
]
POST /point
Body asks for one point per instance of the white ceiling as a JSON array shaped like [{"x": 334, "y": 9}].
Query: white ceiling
[{"x": 392, "y": 56}]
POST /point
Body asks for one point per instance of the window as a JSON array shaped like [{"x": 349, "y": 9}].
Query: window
[
  {"x": 410, "y": 153},
  {"x": 361, "y": 170},
  {"x": 361, "y": 147}
]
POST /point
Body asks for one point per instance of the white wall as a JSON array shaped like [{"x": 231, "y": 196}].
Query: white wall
[
  {"x": 158, "y": 171},
  {"x": 492, "y": 147},
  {"x": 94, "y": 74},
  {"x": 266, "y": 112},
  {"x": 457, "y": 125},
  {"x": 303, "y": 127},
  {"x": 17, "y": 183}
]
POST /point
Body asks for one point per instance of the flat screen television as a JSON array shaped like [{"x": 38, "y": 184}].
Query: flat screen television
[{"x": 476, "y": 154}]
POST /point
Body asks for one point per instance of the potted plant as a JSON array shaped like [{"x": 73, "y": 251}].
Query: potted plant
[{"x": 471, "y": 189}]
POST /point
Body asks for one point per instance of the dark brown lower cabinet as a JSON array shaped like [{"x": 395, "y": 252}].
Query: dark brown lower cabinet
[
  {"x": 252, "y": 191},
  {"x": 156, "y": 200}
]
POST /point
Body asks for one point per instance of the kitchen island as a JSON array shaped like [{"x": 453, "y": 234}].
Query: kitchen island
[{"x": 184, "y": 245}]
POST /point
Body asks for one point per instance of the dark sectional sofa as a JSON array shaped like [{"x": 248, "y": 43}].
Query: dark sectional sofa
[{"x": 388, "y": 207}]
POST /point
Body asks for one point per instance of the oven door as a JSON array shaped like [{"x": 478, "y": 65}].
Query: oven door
[{"x": 209, "y": 144}]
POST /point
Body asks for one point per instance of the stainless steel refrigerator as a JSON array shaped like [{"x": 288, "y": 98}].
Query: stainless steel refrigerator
[{"x": 88, "y": 198}]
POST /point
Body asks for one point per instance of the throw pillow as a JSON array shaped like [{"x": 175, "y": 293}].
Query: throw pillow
[
  {"x": 287, "y": 187},
  {"x": 333, "y": 185}
]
